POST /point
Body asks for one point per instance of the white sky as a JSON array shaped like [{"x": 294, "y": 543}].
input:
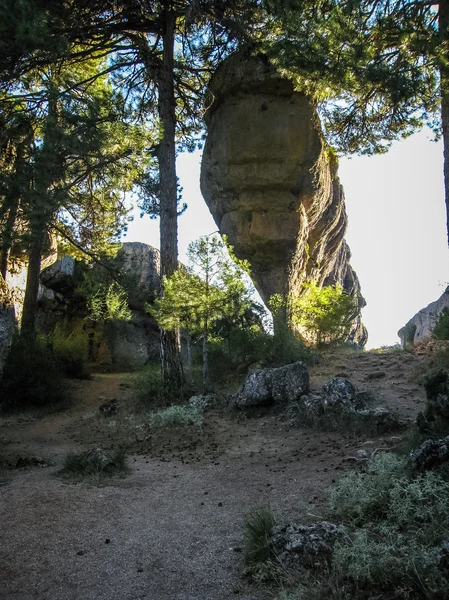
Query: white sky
[{"x": 397, "y": 233}]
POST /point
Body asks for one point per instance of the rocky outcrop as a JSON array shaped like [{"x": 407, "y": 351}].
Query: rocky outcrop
[
  {"x": 266, "y": 386},
  {"x": 112, "y": 344},
  {"x": 419, "y": 328},
  {"x": 303, "y": 544},
  {"x": 271, "y": 183}
]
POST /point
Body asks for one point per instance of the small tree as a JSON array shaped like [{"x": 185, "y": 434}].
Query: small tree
[
  {"x": 212, "y": 287},
  {"x": 324, "y": 312}
]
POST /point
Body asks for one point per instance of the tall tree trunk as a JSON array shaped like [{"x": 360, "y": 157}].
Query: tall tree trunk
[
  {"x": 170, "y": 340},
  {"x": 28, "y": 328},
  {"x": 8, "y": 232},
  {"x": 444, "y": 83},
  {"x": 12, "y": 208},
  {"x": 205, "y": 358}
]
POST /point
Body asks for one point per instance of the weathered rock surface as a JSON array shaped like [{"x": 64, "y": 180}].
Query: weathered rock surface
[
  {"x": 142, "y": 263},
  {"x": 419, "y": 328},
  {"x": 305, "y": 543},
  {"x": 113, "y": 344},
  {"x": 204, "y": 402},
  {"x": 265, "y": 386},
  {"x": 271, "y": 183},
  {"x": 431, "y": 453},
  {"x": 109, "y": 408},
  {"x": 338, "y": 403},
  {"x": 59, "y": 276}
]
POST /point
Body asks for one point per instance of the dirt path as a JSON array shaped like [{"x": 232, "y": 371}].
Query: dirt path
[{"x": 172, "y": 529}]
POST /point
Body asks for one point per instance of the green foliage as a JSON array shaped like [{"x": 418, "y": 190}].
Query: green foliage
[
  {"x": 359, "y": 497},
  {"x": 441, "y": 329},
  {"x": 393, "y": 526},
  {"x": 83, "y": 465},
  {"x": 177, "y": 415},
  {"x": 6, "y": 295},
  {"x": 70, "y": 351},
  {"x": 259, "y": 556},
  {"x": 435, "y": 417},
  {"x": 109, "y": 303},
  {"x": 146, "y": 386},
  {"x": 325, "y": 313},
  {"x": 31, "y": 377}
]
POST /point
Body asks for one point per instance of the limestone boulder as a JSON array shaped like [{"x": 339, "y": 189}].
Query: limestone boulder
[
  {"x": 294, "y": 543},
  {"x": 419, "y": 328},
  {"x": 271, "y": 183},
  {"x": 59, "y": 276},
  {"x": 280, "y": 385}
]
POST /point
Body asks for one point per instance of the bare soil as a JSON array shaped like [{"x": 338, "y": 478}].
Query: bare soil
[{"x": 172, "y": 529}]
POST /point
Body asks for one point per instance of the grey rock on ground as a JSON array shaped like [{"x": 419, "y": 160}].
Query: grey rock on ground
[
  {"x": 340, "y": 392},
  {"x": 265, "y": 386},
  {"x": 431, "y": 453},
  {"x": 203, "y": 402},
  {"x": 98, "y": 458},
  {"x": 303, "y": 542}
]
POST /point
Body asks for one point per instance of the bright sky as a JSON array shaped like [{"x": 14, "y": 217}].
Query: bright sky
[{"x": 397, "y": 233}]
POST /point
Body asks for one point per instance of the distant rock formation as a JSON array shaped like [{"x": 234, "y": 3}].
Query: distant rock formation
[
  {"x": 271, "y": 183},
  {"x": 419, "y": 328},
  {"x": 113, "y": 343}
]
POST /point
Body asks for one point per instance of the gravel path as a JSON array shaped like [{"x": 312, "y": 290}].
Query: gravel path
[{"x": 172, "y": 529}]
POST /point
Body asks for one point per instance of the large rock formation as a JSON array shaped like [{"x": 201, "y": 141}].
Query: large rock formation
[
  {"x": 419, "y": 328},
  {"x": 116, "y": 344},
  {"x": 271, "y": 183}
]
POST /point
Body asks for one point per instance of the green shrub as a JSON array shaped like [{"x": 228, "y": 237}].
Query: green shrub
[
  {"x": 259, "y": 556},
  {"x": 359, "y": 497},
  {"x": 86, "y": 464},
  {"x": 71, "y": 350},
  {"x": 31, "y": 376},
  {"x": 441, "y": 329},
  {"x": 146, "y": 386},
  {"x": 324, "y": 313},
  {"x": 177, "y": 415},
  {"x": 393, "y": 526}
]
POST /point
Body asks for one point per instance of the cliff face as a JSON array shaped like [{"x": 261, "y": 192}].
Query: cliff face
[
  {"x": 419, "y": 328},
  {"x": 271, "y": 184}
]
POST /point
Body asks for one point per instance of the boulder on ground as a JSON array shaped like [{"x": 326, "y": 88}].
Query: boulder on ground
[
  {"x": 98, "y": 459},
  {"x": 203, "y": 402},
  {"x": 339, "y": 403},
  {"x": 265, "y": 386},
  {"x": 109, "y": 408},
  {"x": 303, "y": 543},
  {"x": 432, "y": 453},
  {"x": 340, "y": 393}
]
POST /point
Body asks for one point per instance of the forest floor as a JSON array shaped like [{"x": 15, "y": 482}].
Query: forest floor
[{"x": 172, "y": 528}]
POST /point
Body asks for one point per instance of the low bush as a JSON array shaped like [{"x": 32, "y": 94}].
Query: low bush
[
  {"x": 362, "y": 496},
  {"x": 146, "y": 386},
  {"x": 177, "y": 415},
  {"x": 71, "y": 350},
  {"x": 260, "y": 560},
  {"x": 32, "y": 377},
  {"x": 95, "y": 463},
  {"x": 441, "y": 329}
]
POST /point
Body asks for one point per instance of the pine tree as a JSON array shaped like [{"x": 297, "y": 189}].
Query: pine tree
[{"x": 211, "y": 288}]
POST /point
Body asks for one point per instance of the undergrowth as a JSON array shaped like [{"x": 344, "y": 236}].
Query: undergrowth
[
  {"x": 87, "y": 465},
  {"x": 177, "y": 415}
]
